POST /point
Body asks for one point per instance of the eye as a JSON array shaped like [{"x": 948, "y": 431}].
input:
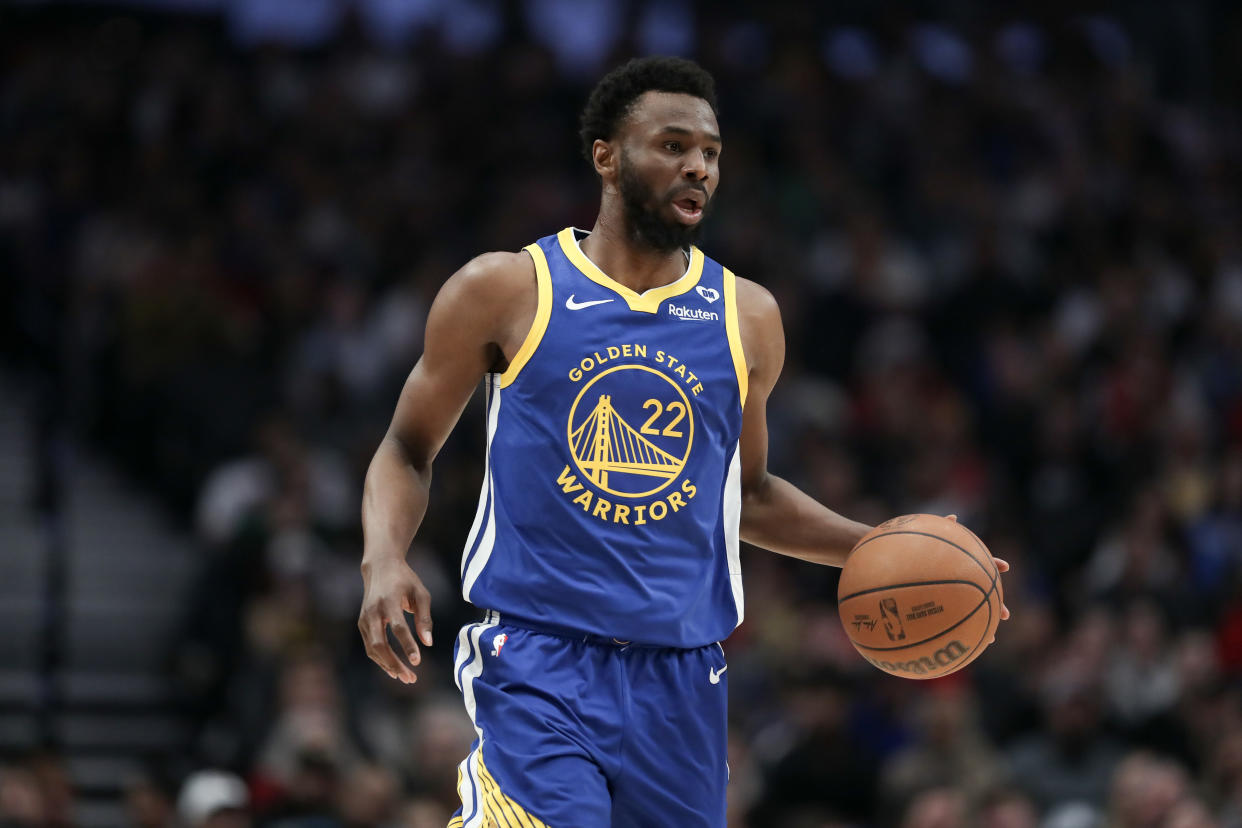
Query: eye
[
  {"x": 672, "y": 146},
  {"x": 711, "y": 153}
]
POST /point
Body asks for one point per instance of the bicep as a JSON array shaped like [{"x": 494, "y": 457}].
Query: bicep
[
  {"x": 464, "y": 327},
  {"x": 763, "y": 339},
  {"x": 431, "y": 402},
  {"x": 754, "y": 444}
]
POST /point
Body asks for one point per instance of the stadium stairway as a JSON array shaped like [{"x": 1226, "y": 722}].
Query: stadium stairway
[{"x": 100, "y": 697}]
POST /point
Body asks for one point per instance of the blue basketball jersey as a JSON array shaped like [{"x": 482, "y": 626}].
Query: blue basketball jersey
[{"x": 612, "y": 491}]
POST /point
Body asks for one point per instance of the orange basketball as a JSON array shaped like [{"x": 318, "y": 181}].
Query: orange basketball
[{"x": 920, "y": 596}]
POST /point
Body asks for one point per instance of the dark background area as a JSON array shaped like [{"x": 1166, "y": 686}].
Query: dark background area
[{"x": 1007, "y": 244}]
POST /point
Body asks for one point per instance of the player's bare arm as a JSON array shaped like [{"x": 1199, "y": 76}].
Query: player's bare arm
[
  {"x": 776, "y": 515},
  {"x": 476, "y": 325}
]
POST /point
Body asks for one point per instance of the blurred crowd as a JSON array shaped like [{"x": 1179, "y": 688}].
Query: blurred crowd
[{"x": 1009, "y": 259}]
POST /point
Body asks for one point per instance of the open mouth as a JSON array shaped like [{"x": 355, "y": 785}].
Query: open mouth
[{"x": 689, "y": 206}]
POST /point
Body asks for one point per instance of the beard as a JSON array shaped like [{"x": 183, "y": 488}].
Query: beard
[{"x": 642, "y": 213}]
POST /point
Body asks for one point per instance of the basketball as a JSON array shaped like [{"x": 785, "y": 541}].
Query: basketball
[{"x": 920, "y": 596}]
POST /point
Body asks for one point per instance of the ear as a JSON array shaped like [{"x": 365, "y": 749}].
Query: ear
[{"x": 605, "y": 157}]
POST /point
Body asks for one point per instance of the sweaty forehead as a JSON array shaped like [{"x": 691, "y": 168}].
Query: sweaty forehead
[{"x": 654, "y": 111}]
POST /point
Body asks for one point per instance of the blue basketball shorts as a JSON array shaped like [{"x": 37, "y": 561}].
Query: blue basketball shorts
[{"x": 589, "y": 732}]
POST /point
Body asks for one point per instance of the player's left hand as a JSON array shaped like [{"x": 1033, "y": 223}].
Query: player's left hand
[{"x": 1002, "y": 566}]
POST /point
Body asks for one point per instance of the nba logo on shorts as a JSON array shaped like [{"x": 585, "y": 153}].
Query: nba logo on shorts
[{"x": 498, "y": 642}]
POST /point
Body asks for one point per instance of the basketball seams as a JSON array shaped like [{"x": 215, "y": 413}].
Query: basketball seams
[
  {"x": 984, "y": 602},
  {"x": 996, "y": 584},
  {"x": 910, "y": 584},
  {"x": 986, "y": 588},
  {"x": 960, "y": 622},
  {"x": 983, "y": 548},
  {"x": 992, "y": 575},
  {"x": 980, "y": 643}
]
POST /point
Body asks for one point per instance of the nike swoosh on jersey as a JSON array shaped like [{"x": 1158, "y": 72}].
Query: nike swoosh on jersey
[
  {"x": 714, "y": 675},
  {"x": 572, "y": 305}
]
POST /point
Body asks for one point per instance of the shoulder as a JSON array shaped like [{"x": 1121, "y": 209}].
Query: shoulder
[
  {"x": 756, "y": 305},
  {"x": 759, "y": 323},
  {"x": 489, "y": 298},
  {"x": 491, "y": 283},
  {"x": 495, "y": 277}
]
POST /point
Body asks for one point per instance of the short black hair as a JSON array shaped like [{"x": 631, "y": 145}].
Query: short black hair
[{"x": 611, "y": 99}]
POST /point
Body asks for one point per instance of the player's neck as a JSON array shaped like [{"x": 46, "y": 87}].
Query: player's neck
[{"x": 613, "y": 250}]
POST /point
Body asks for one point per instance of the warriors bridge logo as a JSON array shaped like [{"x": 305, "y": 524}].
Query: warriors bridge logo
[
  {"x": 631, "y": 453},
  {"x": 630, "y": 432}
]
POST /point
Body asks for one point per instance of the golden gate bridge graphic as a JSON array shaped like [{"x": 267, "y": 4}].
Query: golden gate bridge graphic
[{"x": 606, "y": 444}]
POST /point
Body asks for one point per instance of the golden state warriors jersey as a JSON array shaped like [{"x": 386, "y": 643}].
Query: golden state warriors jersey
[{"x": 612, "y": 492}]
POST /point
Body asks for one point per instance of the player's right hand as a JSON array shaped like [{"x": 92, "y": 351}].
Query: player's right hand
[{"x": 391, "y": 589}]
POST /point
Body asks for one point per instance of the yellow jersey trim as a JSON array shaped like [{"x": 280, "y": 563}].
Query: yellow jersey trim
[
  {"x": 455, "y": 822},
  {"x": 647, "y": 301},
  {"x": 734, "y": 331},
  {"x": 499, "y": 807},
  {"x": 543, "y": 312}
]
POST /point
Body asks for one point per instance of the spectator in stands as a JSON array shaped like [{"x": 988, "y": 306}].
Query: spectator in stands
[
  {"x": 148, "y": 802},
  {"x": 936, "y": 808},
  {"x": 1142, "y": 674},
  {"x": 948, "y": 750},
  {"x": 369, "y": 798},
  {"x": 1006, "y": 807},
  {"x": 1145, "y": 790},
  {"x": 21, "y": 800},
  {"x": 1072, "y": 758},
  {"x": 310, "y": 744},
  {"x": 213, "y": 799}
]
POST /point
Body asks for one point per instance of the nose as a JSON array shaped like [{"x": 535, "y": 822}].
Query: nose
[{"x": 695, "y": 166}]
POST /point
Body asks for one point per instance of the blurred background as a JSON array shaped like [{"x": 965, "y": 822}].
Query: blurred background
[{"x": 1007, "y": 241}]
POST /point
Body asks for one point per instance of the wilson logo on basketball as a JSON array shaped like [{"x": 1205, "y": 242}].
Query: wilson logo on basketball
[{"x": 937, "y": 661}]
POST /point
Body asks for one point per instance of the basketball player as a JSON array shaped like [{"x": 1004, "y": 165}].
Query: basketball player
[{"x": 626, "y": 378}]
